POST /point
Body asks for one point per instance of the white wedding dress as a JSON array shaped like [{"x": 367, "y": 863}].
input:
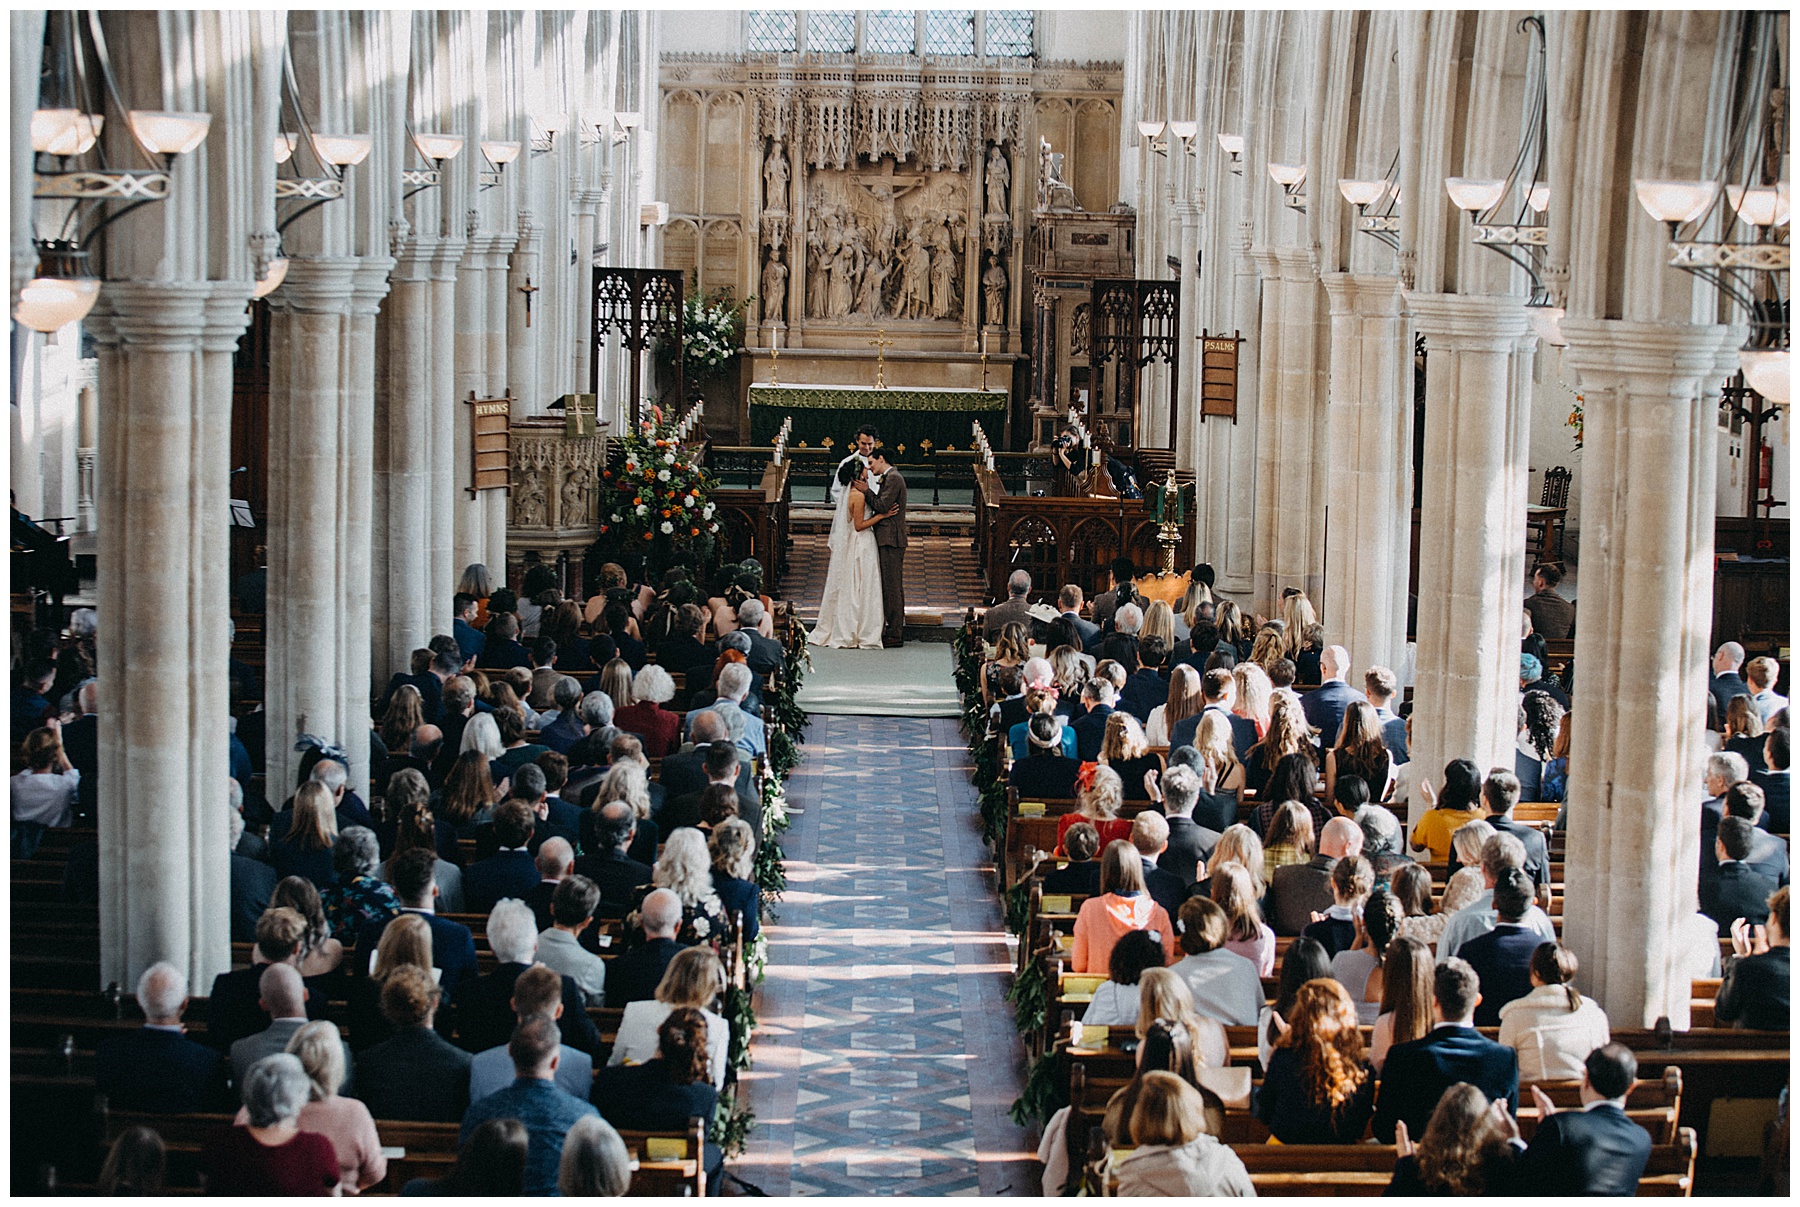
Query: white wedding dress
[{"x": 850, "y": 615}]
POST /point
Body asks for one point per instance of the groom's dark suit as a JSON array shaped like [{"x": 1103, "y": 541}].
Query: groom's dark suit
[{"x": 890, "y": 544}]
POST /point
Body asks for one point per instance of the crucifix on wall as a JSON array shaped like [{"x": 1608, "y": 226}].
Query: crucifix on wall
[{"x": 528, "y": 289}]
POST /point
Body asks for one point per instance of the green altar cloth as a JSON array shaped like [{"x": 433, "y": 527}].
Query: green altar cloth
[{"x": 904, "y": 415}]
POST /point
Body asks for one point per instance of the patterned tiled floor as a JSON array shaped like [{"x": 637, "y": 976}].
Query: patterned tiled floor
[
  {"x": 887, "y": 1058},
  {"x": 941, "y": 574}
]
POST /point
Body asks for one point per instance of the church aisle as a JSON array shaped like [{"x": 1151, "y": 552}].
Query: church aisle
[{"x": 886, "y": 1057}]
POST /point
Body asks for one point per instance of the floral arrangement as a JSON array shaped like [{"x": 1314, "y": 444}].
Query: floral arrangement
[
  {"x": 1578, "y": 420},
  {"x": 712, "y": 332},
  {"x": 656, "y": 496}
]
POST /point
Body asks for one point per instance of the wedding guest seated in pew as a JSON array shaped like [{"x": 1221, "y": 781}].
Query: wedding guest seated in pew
[
  {"x": 1150, "y": 835},
  {"x": 1164, "y": 1046},
  {"x": 284, "y": 996},
  {"x": 1407, "y": 980},
  {"x": 1224, "y": 985},
  {"x": 1189, "y": 844},
  {"x": 135, "y": 1166},
  {"x": 694, "y": 980},
  {"x": 534, "y": 1099},
  {"x": 270, "y": 1156},
  {"x": 321, "y": 952},
  {"x": 1081, "y": 842},
  {"x": 606, "y": 862},
  {"x": 301, "y": 839},
  {"x": 1464, "y": 1150},
  {"x": 635, "y": 975},
  {"x": 1768, "y": 854},
  {"x": 156, "y": 1068},
  {"x": 452, "y": 946},
  {"x": 685, "y": 771},
  {"x": 1737, "y": 890},
  {"x": 1459, "y": 804},
  {"x": 732, "y": 845},
  {"x": 510, "y": 870},
  {"x": 721, "y": 762},
  {"x": 1124, "y": 905},
  {"x": 1048, "y": 771},
  {"x": 1597, "y": 1150},
  {"x": 1754, "y": 993},
  {"x": 561, "y": 734},
  {"x": 346, "y": 1122},
  {"x": 1351, "y": 880},
  {"x": 416, "y": 829},
  {"x": 358, "y": 899},
  {"x": 595, "y": 1162},
  {"x": 1237, "y": 844},
  {"x": 1305, "y": 961},
  {"x": 663, "y": 1092},
  {"x": 1384, "y": 842},
  {"x": 625, "y": 783},
  {"x": 1181, "y": 701},
  {"x": 1319, "y": 1087},
  {"x": 1361, "y": 968},
  {"x": 537, "y": 993},
  {"x": 1174, "y": 1154},
  {"x": 405, "y": 943},
  {"x": 484, "y": 1013},
  {"x": 1099, "y": 794},
  {"x": 1553, "y": 1028},
  {"x": 1502, "y": 957},
  {"x": 559, "y": 946},
  {"x": 234, "y": 1008},
  {"x": 1774, "y": 781},
  {"x": 645, "y": 716},
  {"x": 555, "y": 862},
  {"x": 685, "y": 868},
  {"x": 1115, "y": 1001},
  {"x": 252, "y": 884},
  {"x": 43, "y": 794},
  {"x": 490, "y": 1164},
  {"x": 1499, "y": 852},
  {"x": 1299, "y": 888},
  {"x": 1416, "y": 1075},
  {"x": 1233, "y": 890}
]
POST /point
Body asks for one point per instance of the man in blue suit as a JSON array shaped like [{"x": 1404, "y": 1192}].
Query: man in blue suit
[
  {"x": 1218, "y": 691},
  {"x": 510, "y": 871},
  {"x": 1090, "y": 730},
  {"x": 1736, "y": 890},
  {"x": 1502, "y": 957},
  {"x": 413, "y": 878},
  {"x": 469, "y": 639},
  {"x": 1417, "y": 1073},
  {"x": 1069, "y": 601},
  {"x": 1597, "y": 1150},
  {"x": 1326, "y": 704},
  {"x": 1774, "y": 781},
  {"x": 157, "y": 1068},
  {"x": 1381, "y": 686}
]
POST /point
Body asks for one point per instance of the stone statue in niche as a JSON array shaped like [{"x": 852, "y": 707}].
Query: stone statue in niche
[
  {"x": 993, "y": 285},
  {"x": 528, "y": 512},
  {"x": 775, "y": 179},
  {"x": 999, "y": 179},
  {"x": 774, "y": 288},
  {"x": 577, "y": 505},
  {"x": 943, "y": 283},
  {"x": 1078, "y": 330},
  {"x": 915, "y": 273}
]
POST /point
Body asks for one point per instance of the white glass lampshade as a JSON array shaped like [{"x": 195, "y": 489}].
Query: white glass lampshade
[
  {"x": 1767, "y": 371},
  {"x": 272, "y": 279},
  {"x": 628, "y": 119},
  {"x": 1287, "y": 175},
  {"x": 1184, "y": 130},
  {"x": 51, "y": 303},
  {"x": 500, "y": 153},
  {"x": 550, "y": 123},
  {"x": 1150, "y": 129},
  {"x": 285, "y": 143},
  {"x": 1231, "y": 144},
  {"x": 1766, "y": 206},
  {"x": 64, "y": 131},
  {"x": 1539, "y": 197},
  {"x": 170, "y": 133},
  {"x": 439, "y": 147},
  {"x": 343, "y": 150},
  {"x": 1362, "y": 192},
  {"x": 1676, "y": 200},
  {"x": 1473, "y": 193},
  {"x": 1547, "y": 322}
]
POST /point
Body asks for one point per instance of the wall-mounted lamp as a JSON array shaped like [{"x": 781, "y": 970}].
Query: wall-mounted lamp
[
  {"x": 498, "y": 154},
  {"x": 1152, "y": 134},
  {"x": 624, "y": 123},
  {"x": 440, "y": 149},
  {"x": 1233, "y": 145},
  {"x": 549, "y": 123},
  {"x": 1292, "y": 179}
]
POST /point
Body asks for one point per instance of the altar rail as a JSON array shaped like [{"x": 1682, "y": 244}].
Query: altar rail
[{"x": 1063, "y": 540}]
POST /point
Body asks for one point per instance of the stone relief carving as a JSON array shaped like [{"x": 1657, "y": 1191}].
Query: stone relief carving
[
  {"x": 529, "y": 505},
  {"x": 549, "y": 467},
  {"x": 1079, "y": 325},
  {"x": 885, "y": 243}
]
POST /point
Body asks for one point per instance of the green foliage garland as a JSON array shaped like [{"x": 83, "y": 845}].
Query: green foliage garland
[
  {"x": 732, "y": 1123},
  {"x": 1044, "y": 1091}
]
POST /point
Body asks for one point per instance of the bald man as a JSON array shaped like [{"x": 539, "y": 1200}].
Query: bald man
[
  {"x": 1299, "y": 889},
  {"x": 283, "y": 994}
]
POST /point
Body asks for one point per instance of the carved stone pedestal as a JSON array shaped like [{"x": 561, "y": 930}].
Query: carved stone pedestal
[{"x": 553, "y": 511}]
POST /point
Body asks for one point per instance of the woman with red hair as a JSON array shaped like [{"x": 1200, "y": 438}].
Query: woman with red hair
[{"x": 1319, "y": 1088}]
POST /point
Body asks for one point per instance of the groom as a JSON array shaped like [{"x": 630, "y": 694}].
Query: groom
[{"x": 889, "y": 502}]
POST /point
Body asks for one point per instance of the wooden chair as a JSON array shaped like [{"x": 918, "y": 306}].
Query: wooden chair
[{"x": 1546, "y": 517}]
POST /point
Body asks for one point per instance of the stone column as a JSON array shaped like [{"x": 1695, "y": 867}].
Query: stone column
[
  {"x": 87, "y": 428},
  {"x": 522, "y": 369},
  {"x": 494, "y": 501},
  {"x": 1641, "y": 649},
  {"x": 1290, "y": 429},
  {"x": 1472, "y": 535},
  {"x": 446, "y": 414},
  {"x": 1368, "y": 529},
  {"x": 164, "y": 453},
  {"x": 403, "y": 442},
  {"x": 471, "y": 376}
]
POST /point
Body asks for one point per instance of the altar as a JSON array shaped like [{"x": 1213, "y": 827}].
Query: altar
[{"x": 906, "y": 416}]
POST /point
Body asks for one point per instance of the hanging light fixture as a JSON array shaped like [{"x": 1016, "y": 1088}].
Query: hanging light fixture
[
  {"x": 64, "y": 289},
  {"x": 1525, "y": 238},
  {"x": 1748, "y": 197}
]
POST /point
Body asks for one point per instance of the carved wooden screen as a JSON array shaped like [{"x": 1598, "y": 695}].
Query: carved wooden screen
[
  {"x": 640, "y": 306},
  {"x": 1136, "y": 323}
]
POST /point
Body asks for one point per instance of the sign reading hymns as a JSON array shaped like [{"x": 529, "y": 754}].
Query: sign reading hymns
[
  {"x": 1219, "y": 374},
  {"x": 490, "y": 421}
]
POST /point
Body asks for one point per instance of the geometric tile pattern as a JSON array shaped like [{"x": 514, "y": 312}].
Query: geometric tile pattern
[
  {"x": 941, "y": 573},
  {"x": 886, "y": 1056}
]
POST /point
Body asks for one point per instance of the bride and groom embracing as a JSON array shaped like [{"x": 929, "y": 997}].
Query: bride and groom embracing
[{"x": 865, "y": 599}]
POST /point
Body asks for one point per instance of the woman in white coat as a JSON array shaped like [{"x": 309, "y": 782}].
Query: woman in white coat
[
  {"x": 694, "y": 978},
  {"x": 1553, "y": 1028}
]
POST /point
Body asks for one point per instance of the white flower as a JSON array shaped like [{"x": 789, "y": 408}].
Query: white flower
[
  {"x": 643, "y": 509},
  {"x": 668, "y": 458},
  {"x": 616, "y": 517},
  {"x": 662, "y": 475},
  {"x": 707, "y": 511},
  {"x": 689, "y": 501},
  {"x": 701, "y": 926},
  {"x": 667, "y": 527}
]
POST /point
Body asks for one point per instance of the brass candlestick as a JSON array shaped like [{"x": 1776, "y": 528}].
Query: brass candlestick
[
  {"x": 881, "y": 343},
  {"x": 774, "y": 365}
]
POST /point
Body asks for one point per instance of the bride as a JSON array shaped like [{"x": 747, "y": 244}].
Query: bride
[{"x": 850, "y": 616}]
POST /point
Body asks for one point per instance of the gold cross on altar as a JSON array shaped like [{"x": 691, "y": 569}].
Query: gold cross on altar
[{"x": 881, "y": 343}]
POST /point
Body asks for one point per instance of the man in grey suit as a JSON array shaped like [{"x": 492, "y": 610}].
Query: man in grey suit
[
  {"x": 1068, "y": 601},
  {"x": 283, "y": 995},
  {"x": 890, "y": 542}
]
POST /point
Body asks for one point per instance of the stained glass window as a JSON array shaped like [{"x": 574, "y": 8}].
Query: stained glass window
[
  {"x": 889, "y": 31},
  {"x": 950, "y": 31},
  {"x": 770, "y": 30},
  {"x": 831, "y": 33},
  {"x": 1009, "y": 33}
]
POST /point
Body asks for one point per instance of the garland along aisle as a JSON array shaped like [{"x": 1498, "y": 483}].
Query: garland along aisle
[
  {"x": 1029, "y": 995},
  {"x": 786, "y": 722}
]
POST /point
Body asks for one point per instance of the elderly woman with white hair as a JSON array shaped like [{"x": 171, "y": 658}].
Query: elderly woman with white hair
[
  {"x": 645, "y": 716},
  {"x": 345, "y": 1122},
  {"x": 685, "y": 869},
  {"x": 270, "y": 1156}
]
